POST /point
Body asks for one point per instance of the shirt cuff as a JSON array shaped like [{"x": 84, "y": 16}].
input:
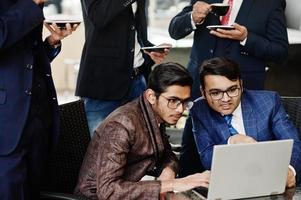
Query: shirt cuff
[
  {"x": 293, "y": 169},
  {"x": 243, "y": 43},
  {"x": 192, "y": 22}
]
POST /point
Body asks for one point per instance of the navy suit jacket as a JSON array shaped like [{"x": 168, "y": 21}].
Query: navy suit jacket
[
  {"x": 267, "y": 39},
  {"x": 21, "y": 33},
  {"x": 264, "y": 119}
]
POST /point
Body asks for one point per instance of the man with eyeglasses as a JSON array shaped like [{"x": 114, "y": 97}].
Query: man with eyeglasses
[
  {"x": 130, "y": 143},
  {"x": 229, "y": 114}
]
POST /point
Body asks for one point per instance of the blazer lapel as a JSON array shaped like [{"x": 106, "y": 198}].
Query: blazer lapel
[
  {"x": 244, "y": 11},
  {"x": 249, "y": 118},
  {"x": 220, "y": 125}
]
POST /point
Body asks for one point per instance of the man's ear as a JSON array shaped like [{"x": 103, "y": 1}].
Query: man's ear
[
  {"x": 150, "y": 96},
  {"x": 202, "y": 92},
  {"x": 241, "y": 85}
]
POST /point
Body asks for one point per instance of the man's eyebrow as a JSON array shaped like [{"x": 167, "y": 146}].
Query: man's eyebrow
[
  {"x": 218, "y": 89},
  {"x": 177, "y": 98}
]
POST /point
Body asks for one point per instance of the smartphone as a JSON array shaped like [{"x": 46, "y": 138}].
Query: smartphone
[
  {"x": 62, "y": 23},
  {"x": 159, "y": 49},
  {"x": 225, "y": 27}
]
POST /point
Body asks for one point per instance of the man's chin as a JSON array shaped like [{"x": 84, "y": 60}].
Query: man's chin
[
  {"x": 172, "y": 121},
  {"x": 226, "y": 111}
]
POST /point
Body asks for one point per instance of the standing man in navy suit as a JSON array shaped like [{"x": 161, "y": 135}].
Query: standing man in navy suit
[
  {"x": 229, "y": 114},
  {"x": 28, "y": 105},
  {"x": 260, "y": 35}
]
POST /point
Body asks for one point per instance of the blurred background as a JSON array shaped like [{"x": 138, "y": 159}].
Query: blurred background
[{"x": 284, "y": 78}]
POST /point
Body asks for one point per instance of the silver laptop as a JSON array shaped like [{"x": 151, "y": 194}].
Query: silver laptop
[{"x": 249, "y": 170}]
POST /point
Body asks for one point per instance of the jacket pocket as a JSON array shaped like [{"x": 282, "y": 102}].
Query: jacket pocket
[{"x": 2, "y": 96}]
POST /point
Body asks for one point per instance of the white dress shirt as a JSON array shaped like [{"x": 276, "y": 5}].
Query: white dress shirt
[{"x": 138, "y": 57}]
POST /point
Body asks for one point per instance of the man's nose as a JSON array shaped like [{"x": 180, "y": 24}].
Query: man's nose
[{"x": 225, "y": 97}]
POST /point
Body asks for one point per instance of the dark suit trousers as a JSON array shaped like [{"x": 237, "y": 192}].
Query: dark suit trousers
[{"x": 21, "y": 170}]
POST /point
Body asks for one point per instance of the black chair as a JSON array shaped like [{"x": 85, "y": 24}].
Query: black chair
[
  {"x": 65, "y": 162},
  {"x": 292, "y": 106}
]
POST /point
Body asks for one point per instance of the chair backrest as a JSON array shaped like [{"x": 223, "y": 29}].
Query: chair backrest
[
  {"x": 65, "y": 162},
  {"x": 292, "y": 106}
]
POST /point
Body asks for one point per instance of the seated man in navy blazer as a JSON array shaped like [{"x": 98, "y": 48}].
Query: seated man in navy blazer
[{"x": 229, "y": 114}]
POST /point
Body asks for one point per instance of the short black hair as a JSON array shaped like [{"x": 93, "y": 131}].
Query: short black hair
[
  {"x": 219, "y": 66},
  {"x": 168, "y": 74}
]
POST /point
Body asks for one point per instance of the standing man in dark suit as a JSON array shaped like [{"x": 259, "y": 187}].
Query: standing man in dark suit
[
  {"x": 28, "y": 105},
  {"x": 230, "y": 114},
  {"x": 259, "y": 36},
  {"x": 113, "y": 64}
]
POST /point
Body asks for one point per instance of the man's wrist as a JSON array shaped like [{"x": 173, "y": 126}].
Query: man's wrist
[
  {"x": 53, "y": 43},
  {"x": 292, "y": 169}
]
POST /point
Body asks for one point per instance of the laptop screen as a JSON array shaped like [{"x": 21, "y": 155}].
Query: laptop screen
[{"x": 249, "y": 170}]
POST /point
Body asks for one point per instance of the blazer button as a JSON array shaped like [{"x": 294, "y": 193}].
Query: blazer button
[
  {"x": 211, "y": 51},
  {"x": 132, "y": 27},
  {"x": 132, "y": 50},
  {"x": 29, "y": 66},
  {"x": 35, "y": 43},
  {"x": 28, "y": 92}
]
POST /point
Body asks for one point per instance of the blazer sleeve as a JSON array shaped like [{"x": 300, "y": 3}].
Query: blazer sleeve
[
  {"x": 180, "y": 25},
  {"x": 18, "y": 21},
  {"x": 50, "y": 51},
  {"x": 283, "y": 128},
  {"x": 112, "y": 159},
  {"x": 273, "y": 44},
  {"x": 205, "y": 138},
  {"x": 169, "y": 158}
]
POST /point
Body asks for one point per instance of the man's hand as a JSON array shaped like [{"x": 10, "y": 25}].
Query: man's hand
[
  {"x": 159, "y": 57},
  {"x": 199, "y": 11},
  {"x": 239, "y": 33},
  {"x": 186, "y": 183},
  {"x": 239, "y": 138},
  {"x": 291, "y": 179},
  {"x": 192, "y": 181},
  {"x": 38, "y": 2},
  {"x": 167, "y": 174},
  {"x": 58, "y": 34}
]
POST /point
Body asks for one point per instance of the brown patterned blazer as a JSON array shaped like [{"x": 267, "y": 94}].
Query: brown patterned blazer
[{"x": 125, "y": 147}]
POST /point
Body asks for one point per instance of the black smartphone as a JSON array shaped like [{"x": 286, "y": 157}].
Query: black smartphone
[
  {"x": 159, "y": 49},
  {"x": 62, "y": 23}
]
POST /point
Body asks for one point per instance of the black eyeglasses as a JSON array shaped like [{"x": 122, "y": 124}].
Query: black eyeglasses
[
  {"x": 174, "y": 103},
  {"x": 219, "y": 94}
]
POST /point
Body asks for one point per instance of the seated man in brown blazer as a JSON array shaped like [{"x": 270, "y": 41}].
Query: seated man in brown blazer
[{"x": 130, "y": 143}]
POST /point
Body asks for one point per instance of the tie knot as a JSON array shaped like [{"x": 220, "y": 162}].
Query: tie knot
[{"x": 228, "y": 118}]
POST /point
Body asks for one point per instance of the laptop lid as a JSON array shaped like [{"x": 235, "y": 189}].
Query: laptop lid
[{"x": 249, "y": 170}]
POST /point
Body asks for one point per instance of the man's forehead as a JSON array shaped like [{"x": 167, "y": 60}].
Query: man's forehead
[
  {"x": 177, "y": 91},
  {"x": 219, "y": 82}
]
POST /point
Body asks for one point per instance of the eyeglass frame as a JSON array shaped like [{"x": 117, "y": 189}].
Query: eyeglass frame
[
  {"x": 186, "y": 104},
  {"x": 237, "y": 88}
]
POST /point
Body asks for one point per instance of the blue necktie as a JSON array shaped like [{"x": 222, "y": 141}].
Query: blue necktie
[{"x": 228, "y": 119}]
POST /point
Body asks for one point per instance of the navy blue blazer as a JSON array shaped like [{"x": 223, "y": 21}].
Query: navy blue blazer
[
  {"x": 264, "y": 119},
  {"x": 20, "y": 33},
  {"x": 267, "y": 39}
]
